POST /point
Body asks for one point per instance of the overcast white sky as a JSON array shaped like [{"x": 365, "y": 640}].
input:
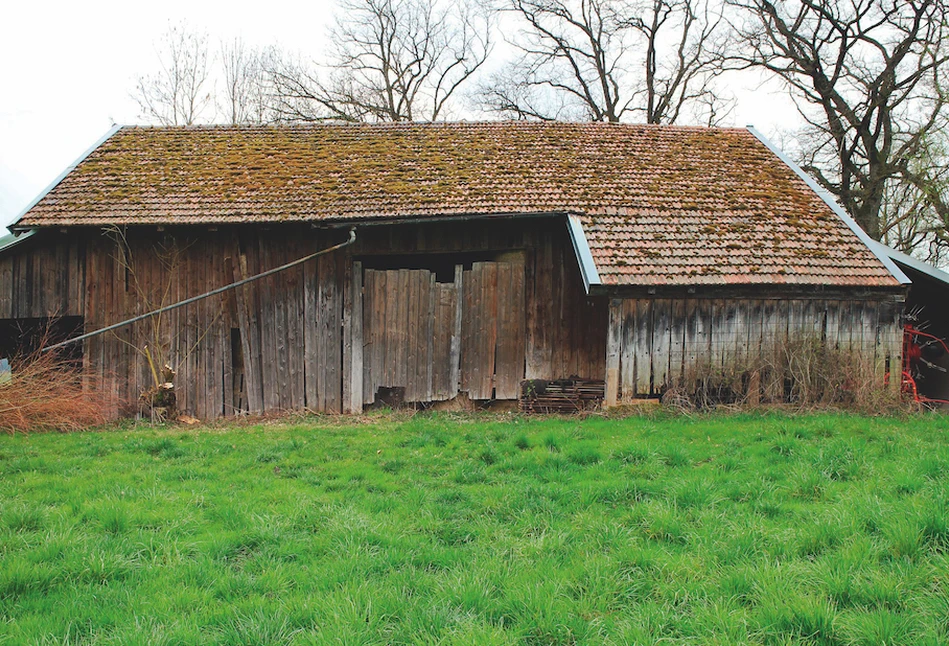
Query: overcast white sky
[{"x": 67, "y": 68}]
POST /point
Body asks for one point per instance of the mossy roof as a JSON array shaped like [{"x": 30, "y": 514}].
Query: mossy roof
[{"x": 659, "y": 205}]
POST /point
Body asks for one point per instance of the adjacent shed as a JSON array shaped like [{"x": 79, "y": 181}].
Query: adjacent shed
[{"x": 485, "y": 254}]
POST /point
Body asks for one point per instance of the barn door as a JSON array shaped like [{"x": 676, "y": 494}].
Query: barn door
[
  {"x": 430, "y": 338},
  {"x": 493, "y": 329},
  {"x": 410, "y": 335}
]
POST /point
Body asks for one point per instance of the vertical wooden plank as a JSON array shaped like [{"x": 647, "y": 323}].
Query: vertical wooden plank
[
  {"x": 385, "y": 284},
  {"x": 701, "y": 328},
  {"x": 230, "y": 368},
  {"x": 390, "y": 330},
  {"x": 250, "y": 337},
  {"x": 352, "y": 338},
  {"x": 782, "y": 322},
  {"x": 518, "y": 329},
  {"x": 402, "y": 330},
  {"x": 440, "y": 347},
  {"x": 296, "y": 329},
  {"x": 869, "y": 327},
  {"x": 478, "y": 333},
  {"x": 471, "y": 326},
  {"x": 628, "y": 351},
  {"x": 311, "y": 359},
  {"x": 738, "y": 341},
  {"x": 716, "y": 334},
  {"x": 215, "y": 387},
  {"x": 642, "y": 346},
  {"x": 268, "y": 333},
  {"x": 543, "y": 315},
  {"x": 413, "y": 333},
  {"x": 491, "y": 330},
  {"x": 429, "y": 309},
  {"x": 614, "y": 340},
  {"x": 506, "y": 363},
  {"x": 456, "y": 338},
  {"x": 845, "y": 325},
  {"x": 832, "y": 323},
  {"x": 892, "y": 332},
  {"x": 348, "y": 315},
  {"x": 6, "y": 286},
  {"x": 334, "y": 376},
  {"x": 324, "y": 315},
  {"x": 677, "y": 325},
  {"x": 660, "y": 355},
  {"x": 370, "y": 310}
]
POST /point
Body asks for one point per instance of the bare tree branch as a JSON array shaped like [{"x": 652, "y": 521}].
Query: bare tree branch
[
  {"x": 864, "y": 74},
  {"x": 248, "y": 93},
  {"x": 602, "y": 60},
  {"x": 180, "y": 93},
  {"x": 394, "y": 60}
]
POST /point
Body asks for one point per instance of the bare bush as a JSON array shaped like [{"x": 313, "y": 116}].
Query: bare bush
[{"x": 44, "y": 393}]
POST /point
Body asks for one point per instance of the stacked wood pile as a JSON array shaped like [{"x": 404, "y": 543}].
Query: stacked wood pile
[{"x": 560, "y": 396}]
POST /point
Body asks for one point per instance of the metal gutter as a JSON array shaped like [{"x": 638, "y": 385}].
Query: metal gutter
[
  {"x": 13, "y": 227},
  {"x": 901, "y": 258},
  {"x": 342, "y": 222},
  {"x": 585, "y": 259},
  {"x": 834, "y": 206}
]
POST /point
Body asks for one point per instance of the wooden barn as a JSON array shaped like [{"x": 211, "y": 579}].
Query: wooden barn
[{"x": 471, "y": 257}]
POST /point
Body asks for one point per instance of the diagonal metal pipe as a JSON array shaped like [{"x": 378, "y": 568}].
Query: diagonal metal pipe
[{"x": 193, "y": 299}]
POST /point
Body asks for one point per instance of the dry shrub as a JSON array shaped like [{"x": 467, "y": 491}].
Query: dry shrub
[
  {"x": 800, "y": 371},
  {"x": 44, "y": 393}
]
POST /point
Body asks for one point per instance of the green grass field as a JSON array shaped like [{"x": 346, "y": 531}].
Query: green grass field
[{"x": 481, "y": 530}]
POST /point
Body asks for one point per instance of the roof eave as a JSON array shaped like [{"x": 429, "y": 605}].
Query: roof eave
[
  {"x": 591, "y": 277},
  {"x": 901, "y": 258},
  {"x": 834, "y": 206}
]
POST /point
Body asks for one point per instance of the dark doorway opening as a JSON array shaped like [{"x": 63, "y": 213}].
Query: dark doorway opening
[{"x": 21, "y": 338}]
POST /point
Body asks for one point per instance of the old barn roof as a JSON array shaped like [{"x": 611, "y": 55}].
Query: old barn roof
[{"x": 658, "y": 205}]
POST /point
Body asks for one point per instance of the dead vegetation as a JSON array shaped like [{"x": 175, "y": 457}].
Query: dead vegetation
[
  {"x": 45, "y": 393},
  {"x": 802, "y": 372}
]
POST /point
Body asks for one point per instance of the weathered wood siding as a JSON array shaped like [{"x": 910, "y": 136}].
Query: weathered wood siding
[
  {"x": 297, "y": 340},
  {"x": 658, "y": 343},
  {"x": 326, "y": 336},
  {"x": 43, "y": 277}
]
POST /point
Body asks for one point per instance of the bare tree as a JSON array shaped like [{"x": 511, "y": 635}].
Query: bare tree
[
  {"x": 181, "y": 91},
  {"x": 680, "y": 39},
  {"x": 247, "y": 97},
  {"x": 393, "y": 60},
  {"x": 866, "y": 76},
  {"x": 574, "y": 62},
  {"x": 602, "y": 60},
  {"x": 915, "y": 212}
]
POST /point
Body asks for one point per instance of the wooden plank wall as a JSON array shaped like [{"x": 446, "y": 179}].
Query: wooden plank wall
[
  {"x": 287, "y": 342},
  {"x": 43, "y": 277},
  {"x": 408, "y": 323},
  {"x": 565, "y": 330},
  {"x": 658, "y": 343},
  {"x": 420, "y": 338},
  {"x": 286, "y": 327},
  {"x": 493, "y": 330}
]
